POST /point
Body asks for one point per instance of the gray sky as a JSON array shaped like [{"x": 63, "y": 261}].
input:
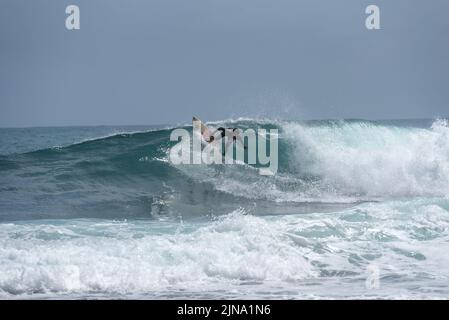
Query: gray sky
[{"x": 162, "y": 61}]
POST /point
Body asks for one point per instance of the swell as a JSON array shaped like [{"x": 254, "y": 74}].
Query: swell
[{"x": 128, "y": 175}]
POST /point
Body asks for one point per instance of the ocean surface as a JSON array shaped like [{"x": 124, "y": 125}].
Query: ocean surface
[{"x": 358, "y": 209}]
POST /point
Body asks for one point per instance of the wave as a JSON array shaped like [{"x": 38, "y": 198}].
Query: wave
[
  {"x": 129, "y": 175},
  {"x": 374, "y": 160}
]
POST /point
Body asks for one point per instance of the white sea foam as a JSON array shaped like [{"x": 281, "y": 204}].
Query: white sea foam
[
  {"x": 314, "y": 255},
  {"x": 375, "y": 160},
  {"x": 127, "y": 258}
]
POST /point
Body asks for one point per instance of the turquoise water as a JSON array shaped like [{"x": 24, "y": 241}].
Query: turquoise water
[{"x": 100, "y": 212}]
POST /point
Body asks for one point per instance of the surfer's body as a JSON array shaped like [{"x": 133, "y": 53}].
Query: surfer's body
[{"x": 212, "y": 136}]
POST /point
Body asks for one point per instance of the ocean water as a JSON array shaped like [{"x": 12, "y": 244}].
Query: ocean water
[{"x": 358, "y": 209}]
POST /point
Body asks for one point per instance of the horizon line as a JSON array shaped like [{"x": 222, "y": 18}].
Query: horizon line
[{"x": 224, "y": 120}]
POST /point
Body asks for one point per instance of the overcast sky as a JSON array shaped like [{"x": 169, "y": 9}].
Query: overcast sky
[{"x": 162, "y": 61}]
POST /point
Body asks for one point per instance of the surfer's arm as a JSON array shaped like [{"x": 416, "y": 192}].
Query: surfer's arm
[{"x": 217, "y": 135}]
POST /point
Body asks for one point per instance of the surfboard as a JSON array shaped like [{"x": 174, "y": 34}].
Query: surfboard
[{"x": 205, "y": 131}]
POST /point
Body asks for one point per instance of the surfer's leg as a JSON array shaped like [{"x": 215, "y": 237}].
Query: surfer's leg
[{"x": 238, "y": 137}]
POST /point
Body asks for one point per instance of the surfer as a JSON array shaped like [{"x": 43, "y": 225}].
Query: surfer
[
  {"x": 233, "y": 135},
  {"x": 210, "y": 136}
]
